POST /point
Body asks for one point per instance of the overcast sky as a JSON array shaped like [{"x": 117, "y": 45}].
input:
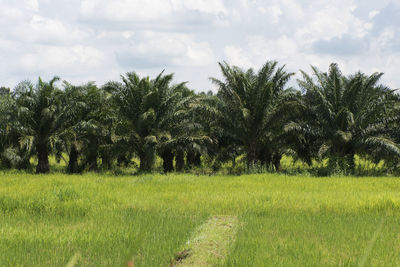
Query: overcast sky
[{"x": 97, "y": 40}]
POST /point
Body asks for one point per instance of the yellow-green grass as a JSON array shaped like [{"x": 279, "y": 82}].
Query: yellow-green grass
[
  {"x": 109, "y": 221},
  {"x": 210, "y": 243}
]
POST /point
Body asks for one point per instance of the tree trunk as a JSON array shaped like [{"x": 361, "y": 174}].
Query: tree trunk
[
  {"x": 197, "y": 159},
  {"x": 190, "y": 159},
  {"x": 106, "y": 162},
  {"x": 123, "y": 160},
  {"x": 24, "y": 164},
  {"x": 193, "y": 159},
  {"x": 351, "y": 163},
  {"x": 43, "y": 158},
  {"x": 6, "y": 163},
  {"x": 277, "y": 162},
  {"x": 145, "y": 165},
  {"x": 251, "y": 156},
  {"x": 142, "y": 160},
  {"x": 147, "y": 158},
  {"x": 92, "y": 161},
  {"x": 180, "y": 161},
  {"x": 168, "y": 161},
  {"x": 73, "y": 160},
  {"x": 266, "y": 158}
]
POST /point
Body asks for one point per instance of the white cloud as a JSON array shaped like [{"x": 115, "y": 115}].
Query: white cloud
[
  {"x": 274, "y": 11},
  {"x": 125, "y": 10},
  {"x": 330, "y": 22},
  {"x": 199, "y": 54},
  {"x": 43, "y": 29},
  {"x": 103, "y": 39},
  {"x": 147, "y": 10},
  {"x": 373, "y": 14},
  {"x": 136, "y": 10},
  {"x": 293, "y": 9},
  {"x": 61, "y": 59},
  {"x": 378, "y": 44},
  {"x": 237, "y": 57},
  {"x": 279, "y": 48},
  {"x": 206, "y": 6},
  {"x": 155, "y": 48},
  {"x": 8, "y": 13},
  {"x": 32, "y": 4},
  {"x": 260, "y": 49}
]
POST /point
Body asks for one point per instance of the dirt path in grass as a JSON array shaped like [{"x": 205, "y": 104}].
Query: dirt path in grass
[{"x": 210, "y": 243}]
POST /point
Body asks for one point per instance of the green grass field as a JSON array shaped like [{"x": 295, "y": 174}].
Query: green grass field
[{"x": 101, "y": 220}]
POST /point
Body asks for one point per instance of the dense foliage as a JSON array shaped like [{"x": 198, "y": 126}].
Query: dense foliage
[{"x": 253, "y": 117}]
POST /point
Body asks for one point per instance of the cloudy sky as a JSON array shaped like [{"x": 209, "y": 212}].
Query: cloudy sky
[{"x": 97, "y": 40}]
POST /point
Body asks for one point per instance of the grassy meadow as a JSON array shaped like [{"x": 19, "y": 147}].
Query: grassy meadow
[{"x": 105, "y": 220}]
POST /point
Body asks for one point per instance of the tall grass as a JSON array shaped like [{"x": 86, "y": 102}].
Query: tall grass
[{"x": 108, "y": 221}]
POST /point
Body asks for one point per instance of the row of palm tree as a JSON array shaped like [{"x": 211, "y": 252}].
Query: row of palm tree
[{"x": 254, "y": 113}]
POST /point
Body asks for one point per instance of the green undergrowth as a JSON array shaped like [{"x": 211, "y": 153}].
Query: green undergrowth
[
  {"x": 289, "y": 166},
  {"x": 105, "y": 220}
]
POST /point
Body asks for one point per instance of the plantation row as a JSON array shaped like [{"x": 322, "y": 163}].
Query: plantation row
[{"x": 254, "y": 114}]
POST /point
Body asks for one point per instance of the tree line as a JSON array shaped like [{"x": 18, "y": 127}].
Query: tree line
[{"x": 253, "y": 114}]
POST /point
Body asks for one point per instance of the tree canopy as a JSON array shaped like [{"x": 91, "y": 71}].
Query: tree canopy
[{"x": 253, "y": 115}]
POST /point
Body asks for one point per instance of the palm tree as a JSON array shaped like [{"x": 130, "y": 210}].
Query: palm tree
[
  {"x": 138, "y": 101},
  {"x": 182, "y": 126},
  {"x": 88, "y": 127},
  {"x": 38, "y": 114},
  {"x": 15, "y": 148},
  {"x": 346, "y": 115},
  {"x": 156, "y": 116},
  {"x": 7, "y": 122},
  {"x": 254, "y": 106},
  {"x": 391, "y": 128}
]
